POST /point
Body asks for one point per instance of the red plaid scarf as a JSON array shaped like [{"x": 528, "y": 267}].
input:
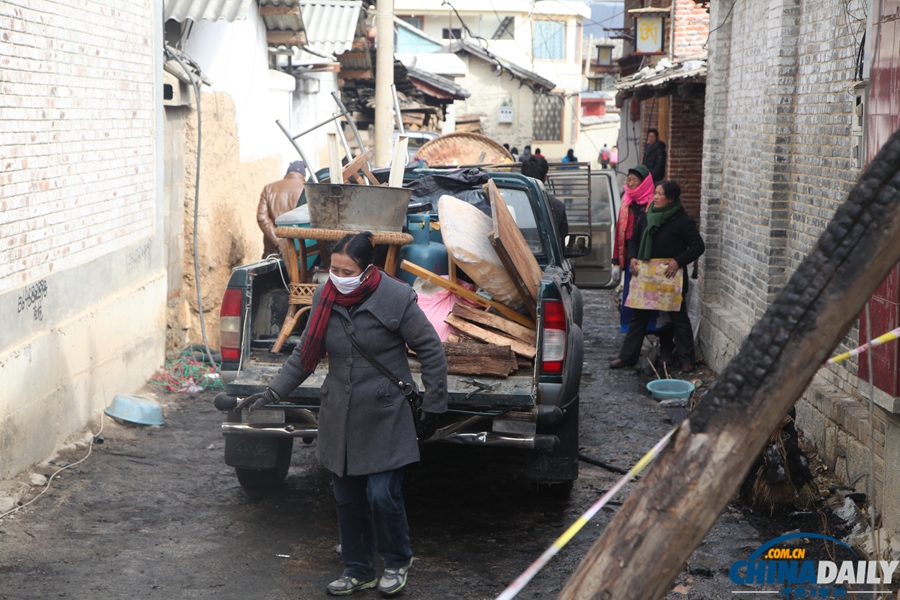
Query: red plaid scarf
[{"x": 314, "y": 346}]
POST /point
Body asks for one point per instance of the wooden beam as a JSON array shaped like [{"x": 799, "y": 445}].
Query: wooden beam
[
  {"x": 279, "y": 11},
  {"x": 461, "y": 291},
  {"x": 288, "y": 38},
  {"x": 497, "y": 322},
  {"x": 479, "y": 333},
  {"x": 670, "y": 511},
  {"x": 479, "y": 359}
]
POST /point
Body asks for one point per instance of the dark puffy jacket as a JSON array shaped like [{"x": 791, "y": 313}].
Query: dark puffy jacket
[
  {"x": 655, "y": 160},
  {"x": 677, "y": 238}
]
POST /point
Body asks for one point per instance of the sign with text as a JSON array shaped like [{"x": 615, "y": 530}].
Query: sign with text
[{"x": 649, "y": 34}]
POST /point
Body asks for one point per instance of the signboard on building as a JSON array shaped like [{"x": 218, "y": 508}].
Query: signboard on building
[{"x": 649, "y": 33}]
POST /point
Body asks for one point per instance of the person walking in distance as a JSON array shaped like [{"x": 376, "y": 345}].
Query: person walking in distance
[
  {"x": 604, "y": 157},
  {"x": 367, "y": 434},
  {"x": 276, "y": 199}
]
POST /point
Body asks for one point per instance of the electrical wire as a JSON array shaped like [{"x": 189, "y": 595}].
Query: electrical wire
[
  {"x": 725, "y": 20},
  {"x": 50, "y": 480},
  {"x": 195, "y": 81}
]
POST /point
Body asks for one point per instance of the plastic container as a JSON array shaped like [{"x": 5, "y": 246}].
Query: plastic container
[
  {"x": 425, "y": 251},
  {"x": 665, "y": 389},
  {"x": 135, "y": 409},
  {"x": 299, "y": 217}
]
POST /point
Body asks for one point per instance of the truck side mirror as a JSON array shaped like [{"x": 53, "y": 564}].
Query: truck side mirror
[{"x": 577, "y": 245}]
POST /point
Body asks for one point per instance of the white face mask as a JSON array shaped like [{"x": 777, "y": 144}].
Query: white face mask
[{"x": 345, "y": 285}]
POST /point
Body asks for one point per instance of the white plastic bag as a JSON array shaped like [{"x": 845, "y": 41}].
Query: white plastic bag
[{"x": 465, "y": 231}]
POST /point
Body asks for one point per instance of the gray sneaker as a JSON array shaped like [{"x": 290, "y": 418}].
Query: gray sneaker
[
  {"x": 346, "y": 585},
  {"x": 393, "y": 580}
]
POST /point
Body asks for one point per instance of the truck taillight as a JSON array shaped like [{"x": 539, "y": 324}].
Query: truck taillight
[
  {"x": 553, "y": 351},
  {"x": 230, "y": 324}
]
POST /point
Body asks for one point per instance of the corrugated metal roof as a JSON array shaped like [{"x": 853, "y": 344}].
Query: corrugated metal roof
[
  {"x": 276, "y": 22},
  {"x": 212, "y": 10},
  {"x": 664, "y": 73},
  {"x": 331, "y": 27}
]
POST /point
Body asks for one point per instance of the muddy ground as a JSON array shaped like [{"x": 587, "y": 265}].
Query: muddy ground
[{"x": 155, "y": 512}]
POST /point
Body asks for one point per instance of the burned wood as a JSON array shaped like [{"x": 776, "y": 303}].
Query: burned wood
[
  {"x": 480, "y": 359},
  {"x": 646, "y": 545}
]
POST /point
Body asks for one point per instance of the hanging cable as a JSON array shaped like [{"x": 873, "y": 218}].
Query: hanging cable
[{"x": 195, "y": 81}]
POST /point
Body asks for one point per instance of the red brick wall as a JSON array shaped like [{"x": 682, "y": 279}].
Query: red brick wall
[
  {"x": 690, "y": 27},
  {"x": 685, "y": 147}
]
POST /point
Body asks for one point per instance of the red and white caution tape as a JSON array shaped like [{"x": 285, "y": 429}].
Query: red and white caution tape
[
  {"x": 881, "y": 339},
  {"x": 522, "y": 580}
]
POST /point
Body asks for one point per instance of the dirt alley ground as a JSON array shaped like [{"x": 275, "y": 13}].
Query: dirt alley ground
[{"x": 155, "y": 512}]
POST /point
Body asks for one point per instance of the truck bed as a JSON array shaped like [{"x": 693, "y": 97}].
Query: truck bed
[{"x": 515, "y": 391}]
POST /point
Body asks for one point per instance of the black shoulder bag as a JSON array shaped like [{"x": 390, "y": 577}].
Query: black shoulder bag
[{"x": 408, "y": 389}]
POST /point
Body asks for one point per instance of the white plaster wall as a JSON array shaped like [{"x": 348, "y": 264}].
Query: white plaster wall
[
  {"x": 234, "y": 57},
  {"x": 59, "y": 380},
  {"x": 312, "y": 104}
]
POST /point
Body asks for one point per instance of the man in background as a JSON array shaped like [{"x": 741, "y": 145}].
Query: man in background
[
  {"x": 276, "y": 199},
  {"x": 655, "y": 155}
]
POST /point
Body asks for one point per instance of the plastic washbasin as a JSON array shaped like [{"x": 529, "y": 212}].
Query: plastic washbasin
[{"x": 664, "y": 389}]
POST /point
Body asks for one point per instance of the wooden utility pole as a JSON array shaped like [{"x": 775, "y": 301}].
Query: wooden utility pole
[{"x": 670, "y": 511}]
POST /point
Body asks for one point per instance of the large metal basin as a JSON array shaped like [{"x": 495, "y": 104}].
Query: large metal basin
[{"x": 357, "y": 207}]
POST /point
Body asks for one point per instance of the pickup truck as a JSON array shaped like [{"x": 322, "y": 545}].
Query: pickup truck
[{"x": 534, "y": 409}]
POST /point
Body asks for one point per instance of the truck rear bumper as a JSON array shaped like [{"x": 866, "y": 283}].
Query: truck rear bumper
[{"x": 547, "y": 443}]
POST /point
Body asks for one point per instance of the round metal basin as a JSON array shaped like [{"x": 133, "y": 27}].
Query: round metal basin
[{"x": 357, "y": 207}]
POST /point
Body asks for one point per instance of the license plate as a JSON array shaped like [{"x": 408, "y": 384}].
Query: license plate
[{"x": 262, "y": 416}]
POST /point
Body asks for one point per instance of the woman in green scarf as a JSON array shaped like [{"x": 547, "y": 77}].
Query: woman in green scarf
[{"x": 665, "y": 231}]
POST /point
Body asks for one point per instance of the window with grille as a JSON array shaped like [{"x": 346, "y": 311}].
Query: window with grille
[
  {"x": 549, "y": 40},
  {"x": 548, "y": 117}
]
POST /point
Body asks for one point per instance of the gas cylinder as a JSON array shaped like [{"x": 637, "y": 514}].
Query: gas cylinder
[{"x": 424, "y": 252}]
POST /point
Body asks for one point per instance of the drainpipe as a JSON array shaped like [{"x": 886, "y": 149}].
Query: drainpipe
[{"x": 384, "y": 79}]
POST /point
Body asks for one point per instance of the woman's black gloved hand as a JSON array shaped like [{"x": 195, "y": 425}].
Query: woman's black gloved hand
[
  {"x": 428, "y": 425},
  {"x": 258, "y": 400}
]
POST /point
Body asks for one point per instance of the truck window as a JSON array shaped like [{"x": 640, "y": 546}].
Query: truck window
[
  {"x": 520, "y": 206},
  {"x": 600, "y": 204}
]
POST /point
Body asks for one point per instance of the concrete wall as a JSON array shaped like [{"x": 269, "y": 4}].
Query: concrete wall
[
  {"x": 82, "y": 270},
  {"x": 776, "y": 164},
  {"x": 487, "y": 93}
]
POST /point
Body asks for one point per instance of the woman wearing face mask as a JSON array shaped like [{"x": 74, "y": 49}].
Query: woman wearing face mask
[
  {"x": 637, "y": 197},
  {"x": 366, "y": 429}
]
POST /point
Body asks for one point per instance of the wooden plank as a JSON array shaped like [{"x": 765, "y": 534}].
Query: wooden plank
[
  {"x": 497, "y": 322},
  {"x": 398, "y": 163},
  {"x": 479, "y": 333},
  {"x": 335, "y": 171},
  {"x": 288, "y": 38},
  {"x": 513, "y": 250},
  {"x": 461, "y": 291},
  {"x": 480, "y": 359},
  {"x": 279, "y": 10}
]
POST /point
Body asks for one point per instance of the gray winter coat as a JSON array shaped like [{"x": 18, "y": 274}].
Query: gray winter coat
[{"x": 364, "y": 420}]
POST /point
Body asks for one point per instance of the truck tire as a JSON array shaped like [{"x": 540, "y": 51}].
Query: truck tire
[
  {"x": 553, "y": 473},
  {"x": 260, "y": 479}
]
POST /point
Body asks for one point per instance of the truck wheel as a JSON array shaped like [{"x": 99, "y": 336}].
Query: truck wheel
[{"x": 258, "y": 479}]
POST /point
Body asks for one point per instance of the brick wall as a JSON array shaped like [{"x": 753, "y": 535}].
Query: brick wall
[
  {"x": 685, "y": 148},
  {"x": 690, "y": 26},
  {"x": 776, "y": 164},
  {"x": 76, "y": 95}
]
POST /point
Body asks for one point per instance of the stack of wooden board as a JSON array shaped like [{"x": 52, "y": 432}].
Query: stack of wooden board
[{"x": 490, "y": 344}]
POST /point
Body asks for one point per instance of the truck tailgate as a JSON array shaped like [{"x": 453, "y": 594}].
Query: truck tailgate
[{"x": 517, "y": 390}]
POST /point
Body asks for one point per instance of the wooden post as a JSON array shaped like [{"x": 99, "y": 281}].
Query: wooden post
[{"x": 647, "y": 544}]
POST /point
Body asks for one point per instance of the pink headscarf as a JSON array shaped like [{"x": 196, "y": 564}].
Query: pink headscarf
[{"x": 641, "y": 195}]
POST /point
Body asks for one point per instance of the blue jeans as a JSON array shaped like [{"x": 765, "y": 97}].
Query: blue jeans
[{"x": 371, "y": 515}]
